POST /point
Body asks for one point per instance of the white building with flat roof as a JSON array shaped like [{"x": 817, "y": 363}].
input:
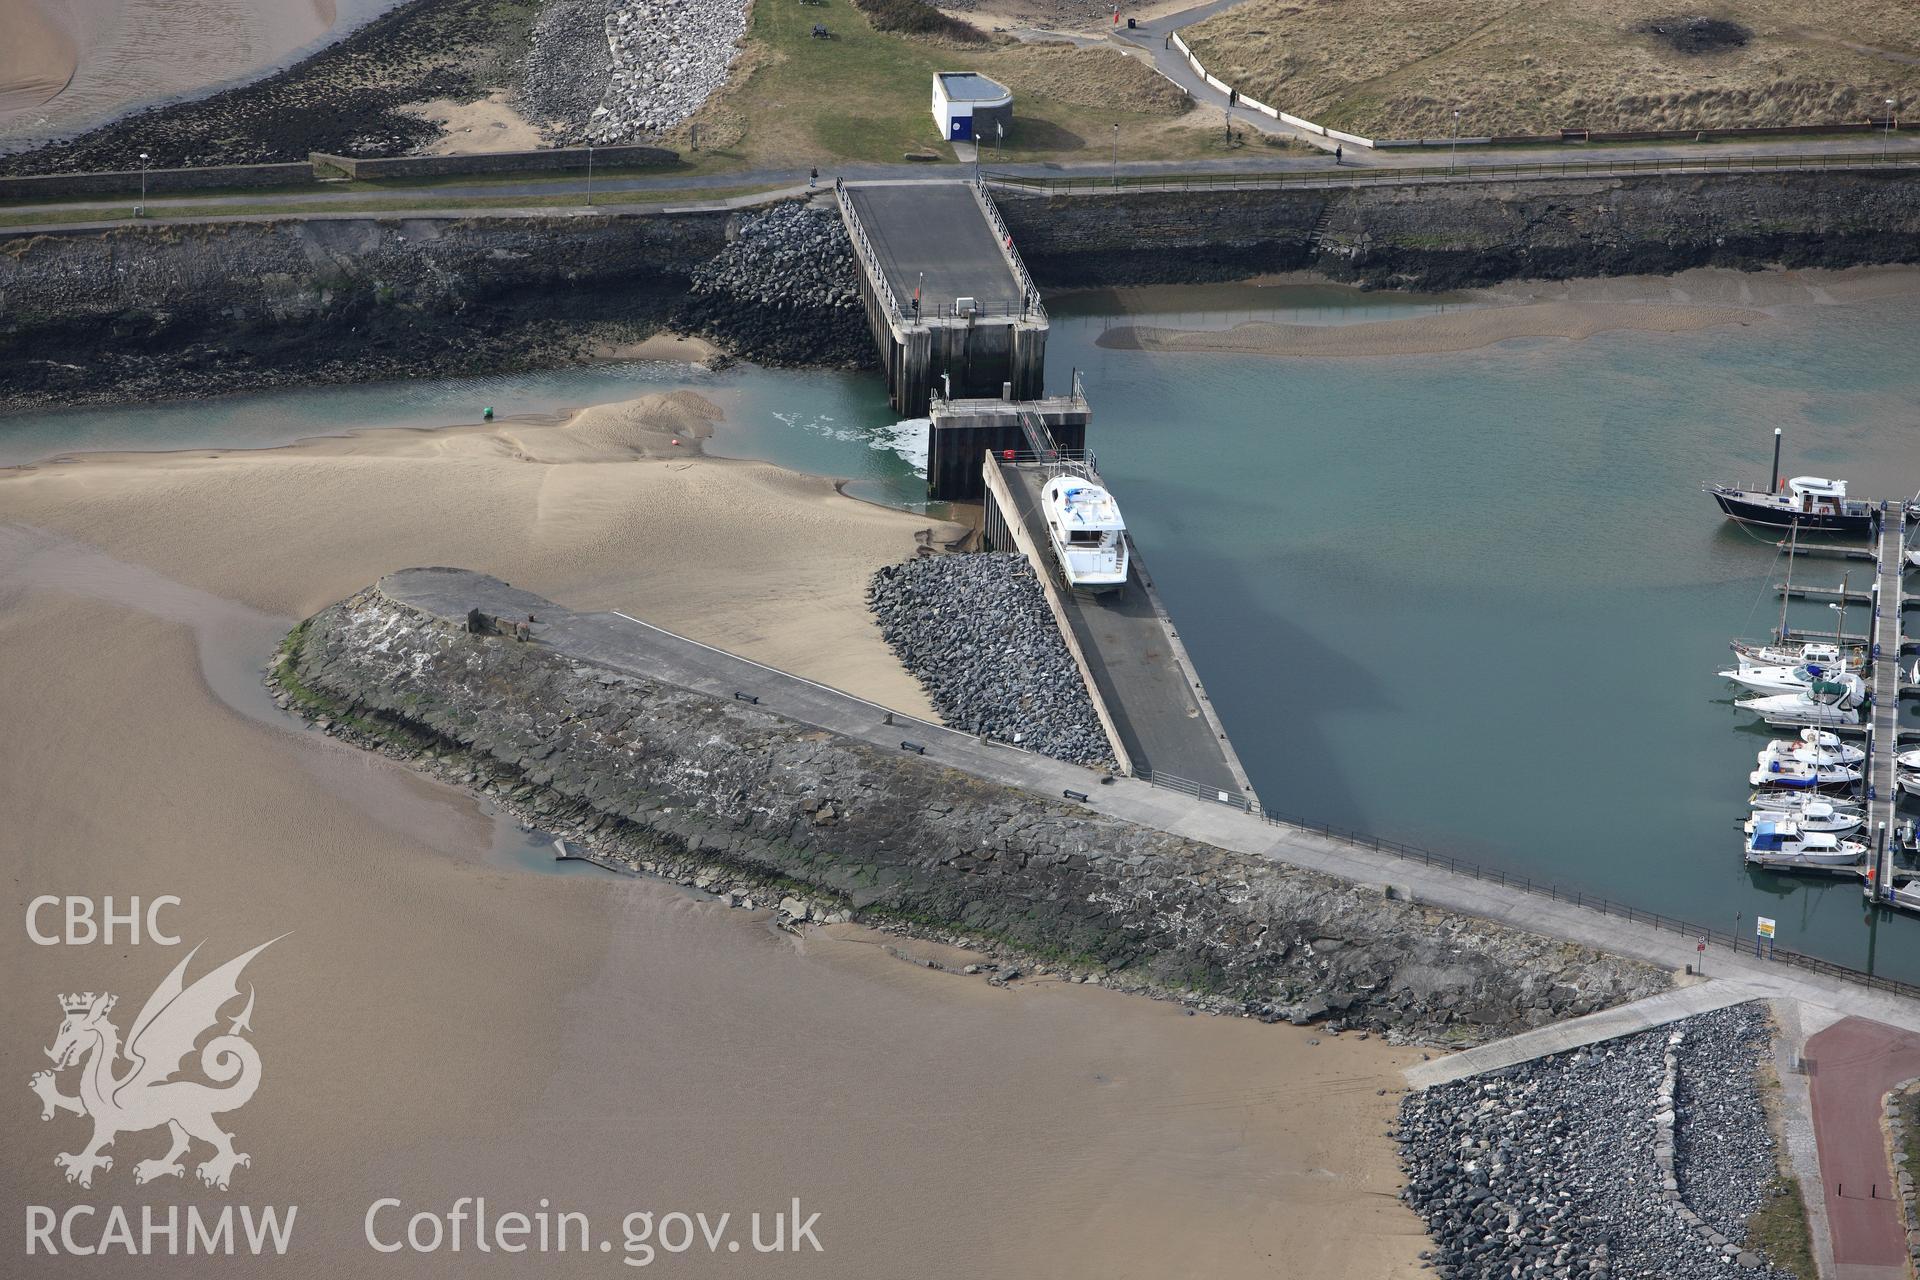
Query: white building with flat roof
[{"x": 969, "y": 107}]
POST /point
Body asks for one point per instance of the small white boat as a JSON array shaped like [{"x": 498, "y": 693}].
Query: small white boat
[
  {"x": 1793, "y": 802},
  {"x": 1906, "y": 893},
  {"x": 1824, "y": 703},
  {"x": 1913, "y": 557},
  {"x": 1802, "y": 776},
  {"x": 1812, "y": 752},
  {"x": 1089, "y": 538},
  {"x": 1783, "y": 840},
  {"x": 1908, "y": 760},
  {"x": 1908, "y": 781},
  {"x": 1817, "y": 815}
]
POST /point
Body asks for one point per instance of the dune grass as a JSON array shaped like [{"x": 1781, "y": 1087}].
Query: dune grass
[{"x": 1399, "y": 68}]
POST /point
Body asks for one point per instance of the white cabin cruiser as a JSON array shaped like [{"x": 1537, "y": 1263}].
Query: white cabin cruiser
[
  {"x": 1907, "y": 780},
  {"x": 1908, "y": 760},
  {"x": 1824, "y": 703},
  {"x": 1776, "y": 679},
  {"x": 1812, "y": 752},
  {"x": 1089, "y": 538},
  {"x": 1799, "y": 775},
  {"x": 1817, "y": 815},
  {"x": 1776, "y": 839}
]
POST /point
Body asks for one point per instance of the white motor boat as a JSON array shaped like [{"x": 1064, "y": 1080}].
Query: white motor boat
[
  {"x": 1908, "y": 760},
  {"x": 1793, "y": 802},
  {"x": 1776, "y": 679},
  {"x": 1907, "y": 780},
  {"x": 1089, "y": 538},
  {"x": 1824, "y": 703},
  {"x": 1830, "y": 656},
  {"x": 1812, "y": 752},
  {"x": 1817, "y": 815},
  {"x": 1778, "y": 839},
  {"x": 1802, "y": 776}
]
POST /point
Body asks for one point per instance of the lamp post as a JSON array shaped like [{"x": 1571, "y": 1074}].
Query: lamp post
[
  {"x": 589, "y": 173},
  {"x": 1454, "y": 158},
  {"x": 1114, "y": 163},
  {"x": 143, "y": 181},
  {"x": 1887, "y": 146}
]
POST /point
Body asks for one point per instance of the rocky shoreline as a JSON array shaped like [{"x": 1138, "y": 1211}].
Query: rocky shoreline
[
  {"x": 1640, "y": 1157},
  {"x": 729, "y": 795},
  {"x": 975, "y": 630},
  {"x": 343, "y": 100}
]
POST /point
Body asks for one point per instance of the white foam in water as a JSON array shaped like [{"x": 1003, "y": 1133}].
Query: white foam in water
[{"x": 909, "y": 439}]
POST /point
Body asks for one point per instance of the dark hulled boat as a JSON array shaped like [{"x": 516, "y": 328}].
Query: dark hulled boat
[{"x": 1807, "y": 502}]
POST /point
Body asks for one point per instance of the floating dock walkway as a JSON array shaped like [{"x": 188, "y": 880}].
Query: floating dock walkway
[{"x": 1884, "y": 730}]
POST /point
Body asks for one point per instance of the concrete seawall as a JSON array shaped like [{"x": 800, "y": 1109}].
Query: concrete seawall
[
  {"x": 132, "y": 312},
  {"x": 1442, "y": 235},
  {"x": 583, "y": 730}
]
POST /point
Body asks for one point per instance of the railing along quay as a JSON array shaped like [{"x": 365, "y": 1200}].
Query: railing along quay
[
  {"x": 1388, "y": 175},
  {"x": 1542, "y": 889}
]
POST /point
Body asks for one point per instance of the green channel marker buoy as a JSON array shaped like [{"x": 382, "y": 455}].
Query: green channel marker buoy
[{"x": 487, "y": 413}]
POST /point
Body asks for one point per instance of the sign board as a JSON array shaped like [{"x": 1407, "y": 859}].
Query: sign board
[{"x": 1763, "y": 927}]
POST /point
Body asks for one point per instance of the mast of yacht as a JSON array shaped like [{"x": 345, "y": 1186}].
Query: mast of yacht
[{"x": 1793, "y": 546}]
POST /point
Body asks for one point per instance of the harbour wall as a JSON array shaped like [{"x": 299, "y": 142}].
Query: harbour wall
[
  {"x": 724, "y": 794},
  {"x": 149, "y": 311},
  {"x": 1444, "y": 235}
]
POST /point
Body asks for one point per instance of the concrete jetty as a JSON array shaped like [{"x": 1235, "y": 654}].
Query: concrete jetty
[
  {"x": 1144, "y": 686},
  {"x": 948, "y": 300}
]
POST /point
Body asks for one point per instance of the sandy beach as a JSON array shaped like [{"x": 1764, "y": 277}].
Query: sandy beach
[
  {"x": 70, "y": 62},
  {"x": 441, "y": 1023},
  {"x": 1433, "y": 334}
]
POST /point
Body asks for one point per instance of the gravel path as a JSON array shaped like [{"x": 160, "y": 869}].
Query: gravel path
[
  {"x": 1549, "y": 1168},
  {"x": 976, "y": 631}
]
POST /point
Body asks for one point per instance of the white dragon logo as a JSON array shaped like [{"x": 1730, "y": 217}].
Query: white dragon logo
[{"x": 145, "y": 1096}]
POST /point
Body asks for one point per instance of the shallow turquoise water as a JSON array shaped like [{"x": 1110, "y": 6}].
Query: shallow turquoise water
[{"x": 1472, "y": 601}]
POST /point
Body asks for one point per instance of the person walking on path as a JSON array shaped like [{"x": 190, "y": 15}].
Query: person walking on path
[
  {"x": 1337, "y": 153},
  {"x": 813, "y": 178}
]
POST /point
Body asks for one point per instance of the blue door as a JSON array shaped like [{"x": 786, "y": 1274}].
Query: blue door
[{"x": 960, "y": 129}]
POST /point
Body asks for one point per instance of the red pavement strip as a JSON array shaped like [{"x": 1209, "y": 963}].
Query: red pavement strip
[{"x": 1851, "y": 1066}]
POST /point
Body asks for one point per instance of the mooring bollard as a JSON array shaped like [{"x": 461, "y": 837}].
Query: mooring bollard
[
  {"x": 914, "y": 747},
  {"x": 745, "y": 697},
  {"x": 1081, "y": 796}
]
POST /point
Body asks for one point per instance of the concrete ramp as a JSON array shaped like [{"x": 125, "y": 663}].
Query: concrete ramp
[
  {"x": 1608, "y": 1024},
  {"x": 947, "y": 298}
]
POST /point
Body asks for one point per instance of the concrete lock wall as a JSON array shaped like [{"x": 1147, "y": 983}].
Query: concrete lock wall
[
  {"x": 54, "y": 186},
  {"x": 498, "y": 162}
]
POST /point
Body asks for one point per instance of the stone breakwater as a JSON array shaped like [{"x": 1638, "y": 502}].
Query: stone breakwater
[
  {"x": 617, "y": 70},
  {"x": 976, "y": 631},
  {"x": 783, "y": 291},
  {"x": 725, "y": 792},
  {"x": 669, "y": 57},
  {"x": 568, "y": 67},
  {"x": 1639, "y": 1157}
]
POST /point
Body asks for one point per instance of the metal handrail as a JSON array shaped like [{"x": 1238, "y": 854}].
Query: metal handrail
[
  {"x": 1491, "y": 172},
  {"x": 1544, "y": 889},
  {"x": 865, "y": 249},
  {"x": 1029, "y": 294}
]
